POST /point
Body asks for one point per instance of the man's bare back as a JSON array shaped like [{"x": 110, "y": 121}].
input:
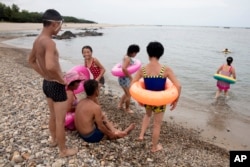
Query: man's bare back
[
  {"x": 91, "y": 123},
  {"x": 85, "y": 112}
]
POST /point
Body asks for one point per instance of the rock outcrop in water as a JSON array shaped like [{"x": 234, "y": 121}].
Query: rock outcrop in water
[
  {"x": 69, "y": 34},
  {"x": 66, "y": 35},
  {"x": 89, "y": 33}
]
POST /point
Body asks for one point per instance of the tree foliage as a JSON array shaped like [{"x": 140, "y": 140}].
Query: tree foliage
[{"x": 13, "y": 14}]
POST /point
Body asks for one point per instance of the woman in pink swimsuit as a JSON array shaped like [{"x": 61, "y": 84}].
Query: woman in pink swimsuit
[
  {"x": 227, "y": 70},
  {"x": 94, "y": 66}
]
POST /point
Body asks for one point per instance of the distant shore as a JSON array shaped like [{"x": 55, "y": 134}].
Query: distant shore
[{"x": 35, "y": 26}]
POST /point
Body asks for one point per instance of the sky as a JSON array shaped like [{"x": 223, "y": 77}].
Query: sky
[{"x": 227, "y": 13}]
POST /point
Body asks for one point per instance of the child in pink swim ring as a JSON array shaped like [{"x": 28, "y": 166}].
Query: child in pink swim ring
[{"x": 73, "y": 80}]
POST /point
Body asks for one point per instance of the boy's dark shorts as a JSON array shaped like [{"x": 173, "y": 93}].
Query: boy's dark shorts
[{"x": 54, "y": 90}]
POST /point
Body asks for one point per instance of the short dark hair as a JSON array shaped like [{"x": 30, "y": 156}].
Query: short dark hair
[
  {"x": 155, "y": 49},
  {"x": 87, "y": 47},
  {"x": 90, "y": 86},
  {"x": 73, "y": 82},
  {"x": 133, "y": 49},
  {"x": 229, "y": 61},
  {"x": 51, "y": 14}
]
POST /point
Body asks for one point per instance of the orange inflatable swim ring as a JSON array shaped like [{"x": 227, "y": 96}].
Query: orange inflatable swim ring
[{"x": 154, "y": 98}]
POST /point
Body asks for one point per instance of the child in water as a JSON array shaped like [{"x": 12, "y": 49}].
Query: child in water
[
  {"x": 227, "y": 70},
  {"x": 124, "y": 82},
  {"x": 155, "y": 76},
  {"x": 92, "y": 63},
  {"x": 226, "y": 51}
]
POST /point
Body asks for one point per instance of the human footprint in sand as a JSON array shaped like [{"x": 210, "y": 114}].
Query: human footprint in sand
[
  {"x": 155, "y": 76},
  {"x": 44, "y": 59},
  {"x": 91, "y": 123}
]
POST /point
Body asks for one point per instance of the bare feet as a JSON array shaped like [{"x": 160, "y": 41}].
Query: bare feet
[
  {"x": 157, "y": 148},
  {"x": 120, "y": 134},
  {"x": 52, "y": 143},
  {"x": 119, "y": 107},
  {"x": 129, "y": 128},
  {"x": 129, "y": 111},
  {"x": 140, "y": 138},
  {"x": 68, "y": 152}
]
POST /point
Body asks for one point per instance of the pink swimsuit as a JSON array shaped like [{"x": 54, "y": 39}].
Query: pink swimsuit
[{"x": 224, "y": 85}]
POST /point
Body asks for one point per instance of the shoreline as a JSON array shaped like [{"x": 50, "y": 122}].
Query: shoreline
[
  {"x": 11, "y": 27},
  {"x": 24, "y": 130},
  {"x": 227, "y": 138}
]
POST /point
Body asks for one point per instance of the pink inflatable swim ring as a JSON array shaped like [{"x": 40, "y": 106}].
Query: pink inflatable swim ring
[
  {"x": 117, "y": 69},
  {"x": 85, "y": 72},
  {"x": 69, "y": 121}
]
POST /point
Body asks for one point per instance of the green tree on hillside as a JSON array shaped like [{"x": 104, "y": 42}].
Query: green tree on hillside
[{"x": 13, "y": 14}]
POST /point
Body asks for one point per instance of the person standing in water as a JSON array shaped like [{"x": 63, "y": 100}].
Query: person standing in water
[
  {"x": 227, "y": 70},
  {"x": 226, "y": 51}
]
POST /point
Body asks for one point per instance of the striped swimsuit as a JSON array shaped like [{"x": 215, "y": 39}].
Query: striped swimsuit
[{"x": 155, "y": 83}]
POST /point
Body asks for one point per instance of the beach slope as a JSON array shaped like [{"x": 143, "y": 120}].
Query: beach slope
[{"x": 24, "y": 129}]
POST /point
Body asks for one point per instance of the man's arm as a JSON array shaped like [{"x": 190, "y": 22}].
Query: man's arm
[
  {"x": 33, "y": 63},
  {"x": 101, "y": 125}
]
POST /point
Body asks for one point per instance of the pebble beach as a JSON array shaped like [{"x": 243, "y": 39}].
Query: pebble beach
[{"x": 24, "y": 133}]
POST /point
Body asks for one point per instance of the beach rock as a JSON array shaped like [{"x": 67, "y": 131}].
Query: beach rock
[
  {"x": 58, "y": 163},
  {"x": 89, "y": 33},
  {"x": 16, "y": 157},
  {"x": 31, "y": 35},
  {"x": 66, "y": 35},
  {"x": 26, "y": 156},
  {"x": 69, "y": 34}
]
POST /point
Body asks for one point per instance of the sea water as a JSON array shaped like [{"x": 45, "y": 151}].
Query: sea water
[{"x": 193, "y": 53}]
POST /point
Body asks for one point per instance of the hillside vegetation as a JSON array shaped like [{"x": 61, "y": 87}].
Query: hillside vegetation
[{"x": 13, "y": 14}]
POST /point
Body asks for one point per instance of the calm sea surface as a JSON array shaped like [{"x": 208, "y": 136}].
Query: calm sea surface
[{"x": 194, "y": 54}]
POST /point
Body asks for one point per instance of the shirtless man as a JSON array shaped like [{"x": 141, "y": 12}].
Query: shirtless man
[
  {"x": 44, "y": 59},
  {"x": 91, "y": 123}
]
